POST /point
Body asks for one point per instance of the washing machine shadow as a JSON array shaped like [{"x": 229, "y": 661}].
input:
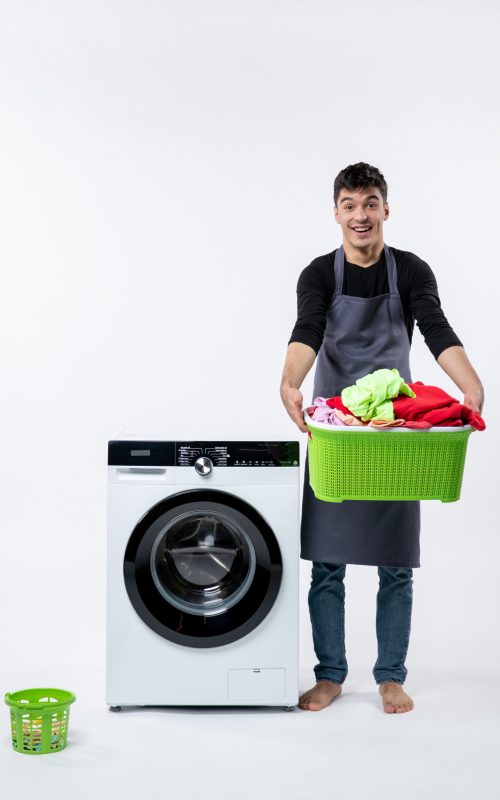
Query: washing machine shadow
[{"x": 205, "y": 710}]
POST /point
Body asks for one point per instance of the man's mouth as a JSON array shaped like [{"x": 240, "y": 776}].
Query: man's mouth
[{"x": 361, "y": 229}]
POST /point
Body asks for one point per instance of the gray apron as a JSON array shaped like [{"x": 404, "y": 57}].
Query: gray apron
[{"x": 362, "y": 334}]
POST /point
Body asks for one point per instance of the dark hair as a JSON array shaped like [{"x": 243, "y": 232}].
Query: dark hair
[{"x": 359, "y": 176}]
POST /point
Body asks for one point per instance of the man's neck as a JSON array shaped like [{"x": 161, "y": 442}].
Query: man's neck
[{"x": 361, "y": 256}]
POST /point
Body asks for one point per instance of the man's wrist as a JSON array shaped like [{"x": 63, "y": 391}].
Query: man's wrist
[
  {"x": 286, "y": 384},
  {"x": 474, "y": 385}
]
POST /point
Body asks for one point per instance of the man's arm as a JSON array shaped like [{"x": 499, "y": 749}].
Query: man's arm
[
  {"x": 455, "y": 363},
  {"x": 299, "y": 360},
  {"x": 440, "y": 338}
]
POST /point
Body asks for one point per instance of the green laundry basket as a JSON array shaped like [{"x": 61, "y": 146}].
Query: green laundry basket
[
  {"x": 39, "y": 719},
  {"x": 391, "y": 464}
]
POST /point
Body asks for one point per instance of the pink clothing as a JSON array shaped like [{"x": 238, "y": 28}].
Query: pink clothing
[
  {"x": 387, "y": 423},
  {"x": 348, "y": 419},
  {"x": 322, "y": 413}
]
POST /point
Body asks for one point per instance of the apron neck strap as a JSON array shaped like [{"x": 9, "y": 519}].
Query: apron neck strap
[{"x": 390, "y": 262}]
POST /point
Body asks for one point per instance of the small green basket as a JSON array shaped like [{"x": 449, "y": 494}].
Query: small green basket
[
  {"x": 39, "y": 719},
  {"x": 391, "y": 464}
]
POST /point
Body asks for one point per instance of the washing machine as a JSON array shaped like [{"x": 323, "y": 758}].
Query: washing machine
[{"x": 202, "y": 573}]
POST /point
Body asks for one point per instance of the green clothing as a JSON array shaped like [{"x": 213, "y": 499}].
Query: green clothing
[{"x": 370, "y": 397}]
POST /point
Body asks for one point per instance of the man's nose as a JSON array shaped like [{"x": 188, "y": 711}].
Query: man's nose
[{"x": 361, "y": 215}]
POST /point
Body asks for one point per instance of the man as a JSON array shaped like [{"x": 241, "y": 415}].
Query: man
[{"x": 357, "y": 308}]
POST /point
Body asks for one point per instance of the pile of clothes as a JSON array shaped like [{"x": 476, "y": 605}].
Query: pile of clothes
[{"x": 382, "y": 399}]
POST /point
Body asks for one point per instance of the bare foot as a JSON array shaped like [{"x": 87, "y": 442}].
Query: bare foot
[
  {"x": 320, "y": 696},
  {"x": 395, "y": 700}
]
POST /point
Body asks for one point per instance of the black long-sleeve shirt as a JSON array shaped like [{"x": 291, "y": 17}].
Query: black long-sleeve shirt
[{"x": 416, "y": 285}]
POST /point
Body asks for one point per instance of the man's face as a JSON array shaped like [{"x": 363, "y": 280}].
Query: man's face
[{"x": 361, "y": 214}]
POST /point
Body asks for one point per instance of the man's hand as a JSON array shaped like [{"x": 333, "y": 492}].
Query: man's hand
[
  {"x": 292, "y": 400},
  {"x": 299, "y": 360},
  {"x": 474, "y": 399},
  {"x": 455, "y": 363}
]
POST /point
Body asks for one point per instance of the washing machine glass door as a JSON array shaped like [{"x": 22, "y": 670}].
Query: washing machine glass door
[
  {"x": 203, "y": 562},
  {"x": 202, "y": 568}
]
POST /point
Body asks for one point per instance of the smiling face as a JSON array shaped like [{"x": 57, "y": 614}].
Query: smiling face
[{"x": 361, "y": 213}]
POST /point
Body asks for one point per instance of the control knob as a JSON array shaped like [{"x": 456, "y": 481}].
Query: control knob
[{"x": 203, "y": 466}]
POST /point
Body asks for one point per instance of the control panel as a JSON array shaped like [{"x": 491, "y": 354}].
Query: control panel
[
  {"x": 239, "y": 454},
  {"x": 220, "y": 454}
]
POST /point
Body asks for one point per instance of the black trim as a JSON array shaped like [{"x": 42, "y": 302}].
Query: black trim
[
  {"x": 194, "y": 630},
  {"x": 221, "y": 454}
]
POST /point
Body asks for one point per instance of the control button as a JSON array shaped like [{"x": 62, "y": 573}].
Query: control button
[{"x": 203, "y": 466}]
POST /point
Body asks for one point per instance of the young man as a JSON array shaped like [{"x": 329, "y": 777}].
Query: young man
[{"x": 357, "y": 308}]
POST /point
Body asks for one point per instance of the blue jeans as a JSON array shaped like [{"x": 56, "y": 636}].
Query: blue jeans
[{"x": 326, "y": 607}]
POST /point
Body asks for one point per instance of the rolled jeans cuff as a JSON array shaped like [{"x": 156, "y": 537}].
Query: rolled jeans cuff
[
  {"x": 400, "y": 681},
  {"x": 333, "y": 677}
]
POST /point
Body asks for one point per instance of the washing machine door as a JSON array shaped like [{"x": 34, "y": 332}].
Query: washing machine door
[{"x": 202, "y": 568}]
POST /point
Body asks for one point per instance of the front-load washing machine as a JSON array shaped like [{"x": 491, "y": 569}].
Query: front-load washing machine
[{"x": 202, "y": 574}]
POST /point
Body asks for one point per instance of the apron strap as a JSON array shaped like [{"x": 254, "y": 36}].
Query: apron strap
[
  {"x": 339, "y": 270},
  {"x": 392, "y": 271}
]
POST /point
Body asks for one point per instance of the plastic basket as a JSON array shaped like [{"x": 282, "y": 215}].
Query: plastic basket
[
  {"x": 39, "y": 719},
  {"x": 392, "y": 464}
]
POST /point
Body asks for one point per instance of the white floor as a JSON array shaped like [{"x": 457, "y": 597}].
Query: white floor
[{"x": 448, "y": 747}]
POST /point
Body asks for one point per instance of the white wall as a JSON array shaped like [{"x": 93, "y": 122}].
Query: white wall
[{"x": 167, "y": 172}]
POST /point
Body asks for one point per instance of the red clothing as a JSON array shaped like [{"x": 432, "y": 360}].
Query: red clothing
[
  {"x": 336, "y": 402},
  {"x": 433, "y": 405}
]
